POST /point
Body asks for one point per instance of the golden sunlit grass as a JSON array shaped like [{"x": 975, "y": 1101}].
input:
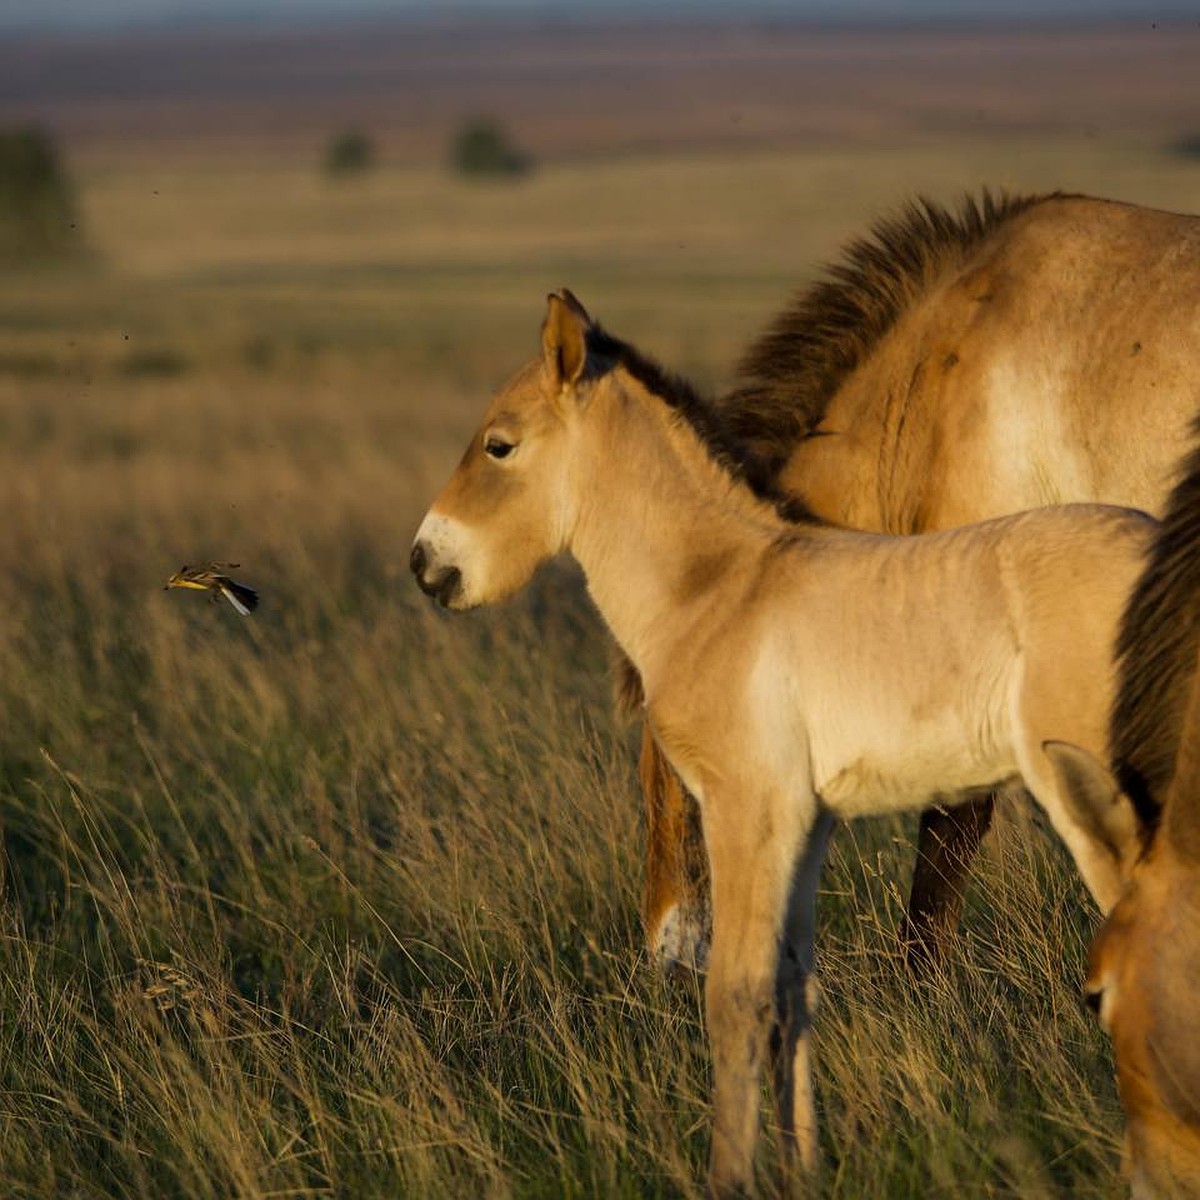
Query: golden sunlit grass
[{"x": 341, "y": 898}]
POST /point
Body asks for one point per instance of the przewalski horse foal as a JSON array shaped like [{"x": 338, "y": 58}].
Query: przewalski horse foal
[
  {"x": 1144, "y": 967},
  {"x": 794, "y": 672},
  {"x": 955, "y": 367}
]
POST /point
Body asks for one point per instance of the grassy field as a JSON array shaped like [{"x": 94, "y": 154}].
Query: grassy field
[{"x": 342, "y": 899}]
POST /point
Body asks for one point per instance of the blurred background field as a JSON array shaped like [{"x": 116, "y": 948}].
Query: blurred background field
[{"x": 342, "y": 899}]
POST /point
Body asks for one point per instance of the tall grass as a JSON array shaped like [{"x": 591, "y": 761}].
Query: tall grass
[{"x": 341, "y": 899}]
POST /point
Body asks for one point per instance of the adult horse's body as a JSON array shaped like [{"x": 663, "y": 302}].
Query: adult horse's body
[
  {"x": 956, "y": 368},
  {"x": 1144, "y": 967},
  {"x": 794, "y": 673}
]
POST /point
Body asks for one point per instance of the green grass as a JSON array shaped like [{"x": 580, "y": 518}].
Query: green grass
[{"x": 342, "y": 899}]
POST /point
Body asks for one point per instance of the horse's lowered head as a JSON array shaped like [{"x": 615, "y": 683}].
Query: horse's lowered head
[
  {"x": 1143, "y": 978},
  {"x": 507, "y": 507}
]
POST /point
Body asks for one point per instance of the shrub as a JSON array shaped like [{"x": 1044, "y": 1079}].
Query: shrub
[
  {"x": 38, "y": 219},
  {"x": 349, "y": 153},
  {"x": 483, "y": 147},
  {"x": 1189, "y": 146}
]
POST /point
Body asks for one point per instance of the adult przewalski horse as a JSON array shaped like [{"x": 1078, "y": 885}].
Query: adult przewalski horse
[
  {"x": 954, "y": 367},
  {"x": 794, "y": 672},
  {"x": 1144, "y": 968}
]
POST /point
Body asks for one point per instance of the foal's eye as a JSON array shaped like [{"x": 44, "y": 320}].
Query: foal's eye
[{"x": 495, "y": 447}]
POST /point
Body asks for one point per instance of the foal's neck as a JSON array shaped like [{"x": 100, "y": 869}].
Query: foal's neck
[{"x": 660, "y": 524}]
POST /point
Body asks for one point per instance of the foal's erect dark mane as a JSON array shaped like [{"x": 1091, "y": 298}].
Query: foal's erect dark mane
[
  {"x": 790, "y": 374},
  {"x": 1156, "y": 651},
  {"x": 705, "y": 419}
]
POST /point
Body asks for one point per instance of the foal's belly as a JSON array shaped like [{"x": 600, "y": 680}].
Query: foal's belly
[
  {"x": 863, "y": 790},
  {"x": 930, "y": 766}
]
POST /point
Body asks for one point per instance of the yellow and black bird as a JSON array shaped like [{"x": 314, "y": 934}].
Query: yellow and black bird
[{"x": 212, "y": 578}]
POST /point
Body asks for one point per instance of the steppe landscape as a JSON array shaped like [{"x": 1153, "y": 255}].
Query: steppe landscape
[{"x": 342, "y": 899}]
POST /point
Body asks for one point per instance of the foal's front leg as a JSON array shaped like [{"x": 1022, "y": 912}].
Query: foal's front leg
[
  {"x": 753, "y": 845},
  {"x": 796, "y": 1003}
]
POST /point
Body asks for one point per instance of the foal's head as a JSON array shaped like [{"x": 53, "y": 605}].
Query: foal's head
[
  {"x": 1143, "y": 977},
  {"x": 507, "y": 507}
]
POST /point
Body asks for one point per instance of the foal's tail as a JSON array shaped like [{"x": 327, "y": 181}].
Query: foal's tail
[{"x": 1156, "y": 649}]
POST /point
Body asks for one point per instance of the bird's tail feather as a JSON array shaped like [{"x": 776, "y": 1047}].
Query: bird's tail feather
[{"x": 243, "y": 598}]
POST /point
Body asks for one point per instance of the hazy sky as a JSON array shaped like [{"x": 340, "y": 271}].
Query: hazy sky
[{"x": 109, "y": 14}]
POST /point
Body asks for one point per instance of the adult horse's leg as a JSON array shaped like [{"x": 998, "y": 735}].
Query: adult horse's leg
[
  {"x": 947, "y": 843},
  {"x": 675, "y": 903}
]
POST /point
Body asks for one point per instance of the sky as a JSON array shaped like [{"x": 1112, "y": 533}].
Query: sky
[{"x": 28, "y": 15}]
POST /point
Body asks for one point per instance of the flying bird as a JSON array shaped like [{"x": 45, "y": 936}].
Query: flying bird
[{"x": 212, "y": 578}]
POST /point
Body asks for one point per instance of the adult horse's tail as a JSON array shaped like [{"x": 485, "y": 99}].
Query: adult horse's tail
[{"x": 675, "y": 906}]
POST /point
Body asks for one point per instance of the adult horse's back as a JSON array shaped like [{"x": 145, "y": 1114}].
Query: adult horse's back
[{"x": 955, "y": 367}]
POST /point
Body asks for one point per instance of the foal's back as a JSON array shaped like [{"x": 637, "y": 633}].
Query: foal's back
[
  {"x": 1061, "y": 568},
  {"x": 928, "y": 665}
]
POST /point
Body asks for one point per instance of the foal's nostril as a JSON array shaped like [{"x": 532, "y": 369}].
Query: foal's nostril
[
  {"x": 442, "y": 583},
  {"x": 448, "y": 587},
  {"x": 1093, "y": 999}
]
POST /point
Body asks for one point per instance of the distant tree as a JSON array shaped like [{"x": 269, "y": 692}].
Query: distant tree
[
  {"x": 349, "y": 153},
  {"x": 1189, "y": 146},
  {"x": 38, "y": 219},
  {"x": 483, "y": 147}
]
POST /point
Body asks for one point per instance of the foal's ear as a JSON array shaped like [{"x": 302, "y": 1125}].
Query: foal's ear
[
  {"x": 564, "y": 338},
  {"x": 1095, "y": 801}
]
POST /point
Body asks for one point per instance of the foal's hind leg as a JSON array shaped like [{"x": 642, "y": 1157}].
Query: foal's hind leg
[
  {"x": 1094, "y": 859},
  {"x": 947, "y": 844},
  {"x": 1057, "y": 699}
]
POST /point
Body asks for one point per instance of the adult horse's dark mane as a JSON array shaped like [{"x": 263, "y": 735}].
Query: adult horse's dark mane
[
  {"x": 790, "y": 374},
  {"x": 1156, "y": 651}
]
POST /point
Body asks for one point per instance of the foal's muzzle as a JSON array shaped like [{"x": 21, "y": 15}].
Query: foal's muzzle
[{"x": 443, "y": 585}]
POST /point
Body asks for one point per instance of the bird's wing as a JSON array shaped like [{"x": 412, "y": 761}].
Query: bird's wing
[{"x": 229, "y": 595}]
